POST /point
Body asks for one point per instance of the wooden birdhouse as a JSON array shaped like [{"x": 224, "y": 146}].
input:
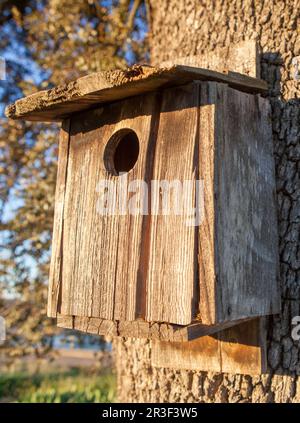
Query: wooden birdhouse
[{"x": 165, "y": 223}]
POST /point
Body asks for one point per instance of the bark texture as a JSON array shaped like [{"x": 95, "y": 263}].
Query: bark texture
[{"x": 185, "y": 27}]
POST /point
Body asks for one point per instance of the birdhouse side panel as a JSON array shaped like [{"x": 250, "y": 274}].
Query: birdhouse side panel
[{"x": 242, "y": 281}]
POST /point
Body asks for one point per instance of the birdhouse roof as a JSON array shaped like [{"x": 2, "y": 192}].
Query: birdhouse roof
[{"x": 86, "y": 92}]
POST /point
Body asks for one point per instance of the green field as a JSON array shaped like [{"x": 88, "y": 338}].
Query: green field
[{"x": 75, "y": 385}]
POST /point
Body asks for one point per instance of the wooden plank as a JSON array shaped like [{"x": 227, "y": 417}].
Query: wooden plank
[
  {"x": 66, "y": 322},
  {"x": 243, "y": 348},
  {"x": 104, "y": 87},
  {"x": 242, "y": 57},
  {"x": 102, "y": 253},
  {"x": 140, "y": 328},
  {"x": 171, "y": 295},
  {"x": 238, "y": 350},
  {"x": 200, "y": 354},
  {"x": 56, "y": 256},
  {"x": 246, "y": 239},
  {"x": 206, "y": 233},
  {"x": 238, "y": 256}
]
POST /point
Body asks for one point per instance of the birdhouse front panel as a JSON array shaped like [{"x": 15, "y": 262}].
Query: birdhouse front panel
[
  {"x": 114, "y": 272},
  {"x": 102, "y": 249}
]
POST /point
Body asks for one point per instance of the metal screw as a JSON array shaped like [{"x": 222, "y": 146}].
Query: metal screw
[{"x": 2, "y": 68}]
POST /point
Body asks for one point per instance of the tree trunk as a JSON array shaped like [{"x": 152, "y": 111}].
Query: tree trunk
[{"x": 186, "y": 27}]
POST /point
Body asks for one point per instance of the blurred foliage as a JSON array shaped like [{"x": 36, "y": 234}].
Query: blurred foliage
[
  {"x": 45, "y": 43},
  {"x": 72, "y": 386}
]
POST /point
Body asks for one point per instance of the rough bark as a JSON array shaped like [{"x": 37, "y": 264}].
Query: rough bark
[{"x": 183, "y": 27}]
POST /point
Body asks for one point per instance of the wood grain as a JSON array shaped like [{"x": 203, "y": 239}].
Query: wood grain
[
  {"x": 200, "y": 354},
  {"x": 172, "y": 270},
  {"x": 139, "y": 328},
  {"x": 244, "y": 347},
  {"x": 245, "y": 210},
  {"x": 102, "y": 252},
  {"x": 55, "y": 276},
  {"x": 242, "y": 58},
  {"x": 238, "y": 256},
  {"x": 208, "y": 306},
  {"x": 238, "y": 350}
]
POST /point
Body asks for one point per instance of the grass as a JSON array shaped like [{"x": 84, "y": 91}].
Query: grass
[{"x": 72, "y": 386}]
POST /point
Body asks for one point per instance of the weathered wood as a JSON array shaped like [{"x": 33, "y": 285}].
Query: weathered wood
[
  {"x": 104, "y": 87},
  {"x": 206, "y": 352},
  {"x": 206, "y": 233},
  {"x": 200, "y": 354},
  {"x": 172, "y": 294},
  {"x": 140, "y": 328},
  {"x": 66, "y": 322},
  {"x": 102, "y": 253},
  {"x": 246, "y": 239},
  {"x": 244, "y": 348},
  {"x": 55, "y": 277},
  {"x": 242, "y": 58},
  {"x": 241, "y": 349},
  {"x": 121, "y": 267},
  {"x": 238, "y": 256}
]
